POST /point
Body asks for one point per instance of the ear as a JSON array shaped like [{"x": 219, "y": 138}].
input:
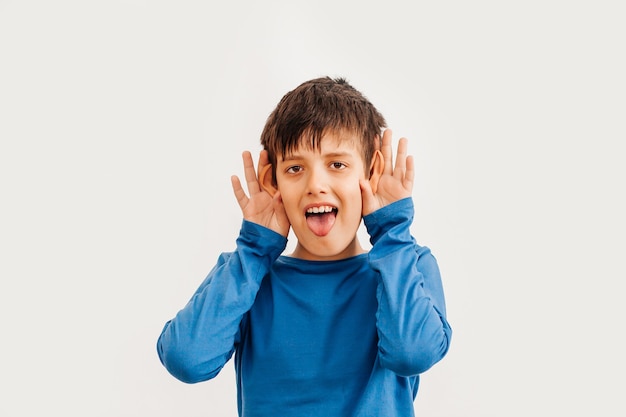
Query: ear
[
  {"x": 266, "y": 180},
  {"x": 376, "y": 170}
]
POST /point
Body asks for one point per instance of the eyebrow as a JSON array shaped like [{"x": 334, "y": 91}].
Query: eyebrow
[{"x": 295, "y": 156}]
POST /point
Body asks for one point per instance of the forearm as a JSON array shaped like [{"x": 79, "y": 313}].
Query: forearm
[
  {"x": 412, "y": 327},
  {"x": 200, "y": 339}
]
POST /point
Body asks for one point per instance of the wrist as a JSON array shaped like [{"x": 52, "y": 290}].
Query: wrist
[
  {"x": 388, "y": 217},
  {"x": 252, "y": 234}
]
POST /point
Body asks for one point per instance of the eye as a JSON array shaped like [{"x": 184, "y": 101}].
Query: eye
[
  {"x": 294, "y": 169},
  {"x": 338, "y": 165}
]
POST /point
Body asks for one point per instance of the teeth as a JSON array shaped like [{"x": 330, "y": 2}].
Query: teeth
[{"x": 321, "y": 209}]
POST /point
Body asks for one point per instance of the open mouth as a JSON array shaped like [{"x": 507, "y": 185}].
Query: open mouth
[{"x": 321, "y": 219}]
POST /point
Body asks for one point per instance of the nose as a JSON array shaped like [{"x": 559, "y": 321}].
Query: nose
[{"x": 316, "y": 181}]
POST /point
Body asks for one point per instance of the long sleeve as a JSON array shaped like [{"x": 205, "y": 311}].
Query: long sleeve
[
  {"x": 411, "y": 319},
  {"x": 201, "y": 338}
]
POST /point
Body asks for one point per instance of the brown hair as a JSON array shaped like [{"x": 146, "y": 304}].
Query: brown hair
[{"x": 305, "y": 114}]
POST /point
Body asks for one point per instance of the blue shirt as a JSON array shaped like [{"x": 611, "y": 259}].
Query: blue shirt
[{"x": 316, "y": 338}]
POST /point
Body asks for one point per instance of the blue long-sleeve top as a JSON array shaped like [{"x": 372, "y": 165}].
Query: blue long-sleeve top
[{"x": 316, "y": 338}]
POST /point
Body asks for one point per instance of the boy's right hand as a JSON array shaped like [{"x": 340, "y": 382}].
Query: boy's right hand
[{"x": 260, "y": 208}]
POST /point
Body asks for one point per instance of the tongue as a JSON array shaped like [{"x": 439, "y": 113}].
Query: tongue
[{"x": 320, "y": 224}]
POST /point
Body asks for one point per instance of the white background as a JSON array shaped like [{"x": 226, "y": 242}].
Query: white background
[{"x": 122, "y": 121}]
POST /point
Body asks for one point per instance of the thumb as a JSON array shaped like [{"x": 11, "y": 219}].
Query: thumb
[
  {"x": 281, "y": 215},
  {"x": 369, "y": 201}
]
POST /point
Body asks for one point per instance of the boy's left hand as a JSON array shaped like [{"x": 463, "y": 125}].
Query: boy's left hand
[{"x": 395, "y": 183}]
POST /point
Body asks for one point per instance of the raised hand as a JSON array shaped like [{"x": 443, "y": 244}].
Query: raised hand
[
  {"x": 260, "y": 207},
  {"x": 395, "y": 183}
]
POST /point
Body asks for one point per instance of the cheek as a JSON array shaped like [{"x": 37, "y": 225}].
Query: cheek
[
  {"x": 354, "y": 198},
  {"x": 285, "y": 196},
  {"x": 290, "y": 206}
]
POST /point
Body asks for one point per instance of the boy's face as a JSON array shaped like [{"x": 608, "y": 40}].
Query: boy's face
[{"x": 322, "y": 197}]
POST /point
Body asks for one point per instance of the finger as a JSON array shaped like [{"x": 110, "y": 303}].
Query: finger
[
  {"x": 400, "y": 168},
  {"x": 263, "y": 162},
  {"x": 240, "y": 195},
  {"x": 410, "y": 173},
  {"x": 387, "y": 152},
  {"x": 250, "y": 173}
]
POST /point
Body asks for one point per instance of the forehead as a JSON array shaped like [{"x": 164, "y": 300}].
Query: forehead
[{"x": 330, "y": 142}]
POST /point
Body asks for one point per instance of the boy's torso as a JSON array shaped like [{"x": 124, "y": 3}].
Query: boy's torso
[{"x": 311, "y": 334}]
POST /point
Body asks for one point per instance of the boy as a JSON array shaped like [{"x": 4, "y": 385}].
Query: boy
[{"x": 330, "y": 330}]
